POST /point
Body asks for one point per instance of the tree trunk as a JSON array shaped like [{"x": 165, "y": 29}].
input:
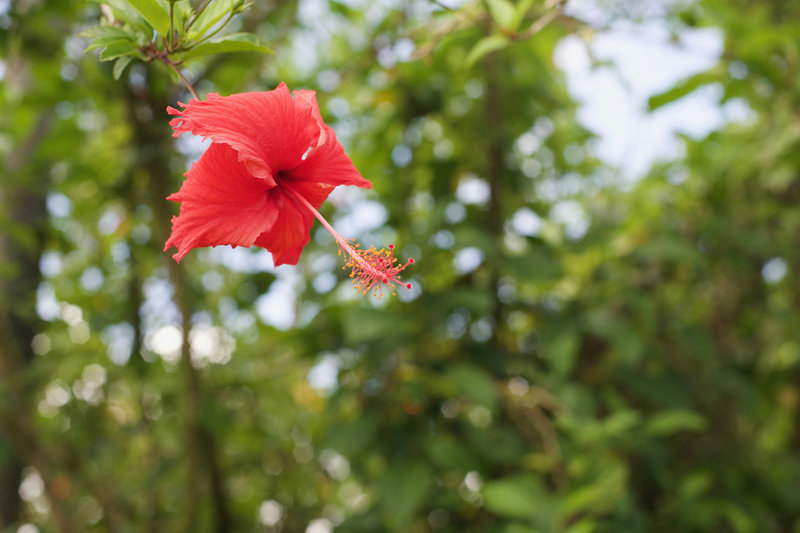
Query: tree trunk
[{"x": 22, "y": 198}]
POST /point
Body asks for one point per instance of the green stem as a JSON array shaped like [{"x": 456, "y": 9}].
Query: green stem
[
  {"x": 182, "y": 77},
  {"x": 171, "y": 24},
  {"x": 197, "y": 14},
  {"x": 210, "y": 35}
]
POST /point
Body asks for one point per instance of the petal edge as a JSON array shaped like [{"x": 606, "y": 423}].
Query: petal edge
[{"x": 221, "y": 203}]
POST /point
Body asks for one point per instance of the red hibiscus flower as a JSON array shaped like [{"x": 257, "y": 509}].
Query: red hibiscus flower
[{"x": 272, "y": 163}]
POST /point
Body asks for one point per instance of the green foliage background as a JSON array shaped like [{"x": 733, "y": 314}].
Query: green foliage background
[{"x": 642, "y": 377}]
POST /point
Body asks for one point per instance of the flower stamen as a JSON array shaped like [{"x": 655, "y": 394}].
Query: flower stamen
[{"x": 371, "y": 268}]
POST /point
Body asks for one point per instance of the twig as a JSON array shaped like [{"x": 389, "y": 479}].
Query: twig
[
  {"x": 541, "y": 23},
  {"x": 465, "y": 14},
  {"x": 459, "y": 17},
  {"x": 186, "y": 82},
  {"x": 212, "y": 34},
  {"x": 197, "y": 13}
]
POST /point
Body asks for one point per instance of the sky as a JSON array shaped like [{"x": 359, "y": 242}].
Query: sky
[{"x": 643, "y": 61}]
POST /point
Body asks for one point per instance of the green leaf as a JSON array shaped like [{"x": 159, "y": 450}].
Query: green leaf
[
  {"x": 627, "y": 340},
  {"x": 502, "y": 12},
  {"x": 695, "y": 484},
  {"x": 182, "y": 13},
  {"x": 101, "y": 43},
  {"x": 514, "y": 497},
  {"x": 519, "y": 13},
  {"x": 584, "y": 526},
  {"x": 486, "y": 46},
  {"x": 403, "y": 489},
  {"x": 450, "y": 454},
  {"x": 476, "y": 301},
  {"x": 475, "y": 383},
  {"x": 124, "y": 12},
  {"x": 519, "y": 528},
  {"x": 118, "y": 49},
  {"x": 739, "y": 519},
  {"x": 783, "y": 142},
  {"x": 685, "y": 87},
  {"x": 213, "y": 14},
  {"x": 671, "y": 249},
  {"x": 497, "y": 443},
  {"x": 673, "y": 421},
  {"x": 154, "y": 13},
  {"x": 620, "y": 423},
  {"x": 370, "y": 325},
  {"x": 105, "y": 34},
  {"x": 561, "y": 351},
  {"x": 350, "y": 438},
  {"x": 119, "y": 66},
  {"x": 235, "y": 42},
  {"x": 599, "y": 496},
  {"x": 548, "y": 266}
]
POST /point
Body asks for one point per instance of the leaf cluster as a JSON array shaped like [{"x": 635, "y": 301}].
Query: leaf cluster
[{"x": 171, "y": 31}]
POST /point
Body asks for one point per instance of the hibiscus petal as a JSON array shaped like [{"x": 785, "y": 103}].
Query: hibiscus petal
[
  {"x": 270, "y": 130},
  {"x": 221, "y": 203},
  {"x": 291, "y": 231},
  {"x": 308, "y": 98},
  {"x": 326, "y": 162}
]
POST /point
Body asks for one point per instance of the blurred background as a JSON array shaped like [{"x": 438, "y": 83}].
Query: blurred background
[{"x": 602, "y": 334}]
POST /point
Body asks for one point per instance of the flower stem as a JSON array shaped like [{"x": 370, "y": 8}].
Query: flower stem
[{"x": 171, "y": 65}]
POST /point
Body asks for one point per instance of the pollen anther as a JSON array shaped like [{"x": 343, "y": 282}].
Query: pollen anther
[{"x": 372, "y": 268}]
